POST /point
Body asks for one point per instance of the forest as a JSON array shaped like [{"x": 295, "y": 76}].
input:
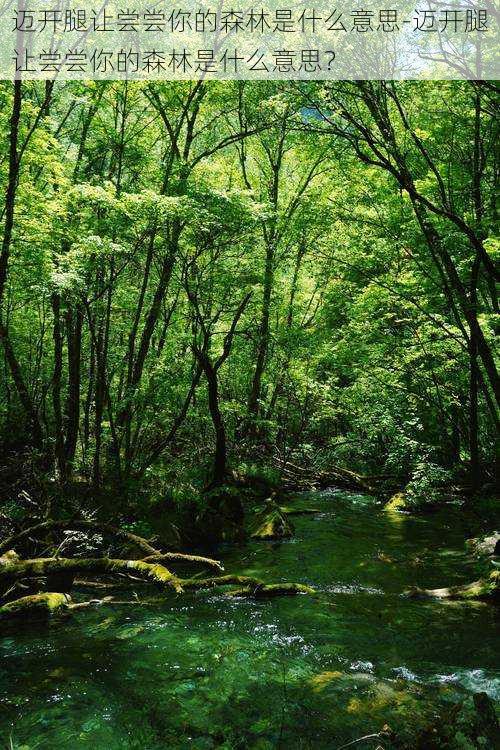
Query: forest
[{"x": 247, "y": 334}]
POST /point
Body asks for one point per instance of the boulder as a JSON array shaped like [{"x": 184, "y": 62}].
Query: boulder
[
  {"x": 397, "y": 502},
  {"x": 486, "y": 545},
  {"x": 271, "y": 523}
]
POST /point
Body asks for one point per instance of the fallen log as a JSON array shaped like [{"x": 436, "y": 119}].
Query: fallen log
[
  {"x": 108, "y": 600},
  {"x": 203, "y": 583},
  {"x": 152, "y": 554},
  {"x": 173, "y": 556},
  {"x": 45, "y": 605},
  {"x": 336, "y": 475},
  {"x": 42, "y": 567},
  {"x": 36, "y": 606},
  {"x": 270, "y": 590},
  {"x": 487, "y": 588}
]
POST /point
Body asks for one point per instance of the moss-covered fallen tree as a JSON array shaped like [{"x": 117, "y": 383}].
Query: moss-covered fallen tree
[
  {"x": 271, "y": 590},
  {"x": 152, "y": 553},
  {"x": 49, "y": 566},
  {"x": 303, "y": 478},
  {"x": 40, "y": 586},
  {"x": 487, "y": 588},
  {"x": 50, "y": 579},
  {"x": 35, "y": 606},
  {"x": 44, "y": 605}
]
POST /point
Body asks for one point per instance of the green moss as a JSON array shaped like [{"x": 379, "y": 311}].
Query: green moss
[
  {"x": 35, "y": 605},
  {"x": 397, "y": 502},
  {"x": 274, "y": 589},
  {"x": 271, "y": 523},
  {"x": 100, "y": 565}
]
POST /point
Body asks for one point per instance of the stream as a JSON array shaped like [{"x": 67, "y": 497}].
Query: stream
[{"x": 207, "y": 671}]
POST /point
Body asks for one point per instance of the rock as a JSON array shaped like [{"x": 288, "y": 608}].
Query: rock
[
  {"x": 486, "y": 545},
  {"x": 397, "y": 502},
  {"x": 271, "y": 523}
]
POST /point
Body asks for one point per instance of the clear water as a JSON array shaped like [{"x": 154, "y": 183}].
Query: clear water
[{"x": 205, "y": 671}]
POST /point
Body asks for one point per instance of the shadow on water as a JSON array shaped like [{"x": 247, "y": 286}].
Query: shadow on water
[{"x": 205, "y": 671}]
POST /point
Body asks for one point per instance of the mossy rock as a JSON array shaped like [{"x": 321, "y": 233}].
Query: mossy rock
[
  {"x": 10, "y": 556},
  {"x": 398, "y": 502},
  {"x": 271, "y": 523},
  {"x": 486, "y": 545}
]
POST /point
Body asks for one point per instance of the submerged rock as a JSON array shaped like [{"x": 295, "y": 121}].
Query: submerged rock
[
  {"x": 320, "y": 681},
  {"x": 289, "y": 511}
]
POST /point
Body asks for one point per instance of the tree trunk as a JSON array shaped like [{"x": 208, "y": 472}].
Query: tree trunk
[
  {"x": 475, "y": 466},
  {"x": 56, "y": 387},
  {"x": 22, "y": 391},
  {"x": 74, "y": 323},
  {"x": 10, "y": 195},
  {"x": 220, "y": 455},
  {"x": 469, "y": 314},
  {"x": 263, "y": 336}
]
